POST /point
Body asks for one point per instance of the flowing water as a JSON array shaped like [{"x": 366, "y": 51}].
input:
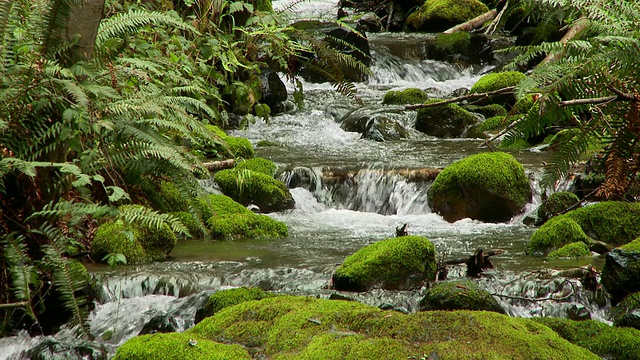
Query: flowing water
[{"x": 347, "y": 196}]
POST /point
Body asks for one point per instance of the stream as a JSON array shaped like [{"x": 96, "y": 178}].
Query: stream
[{"x": 334, "y": 218}]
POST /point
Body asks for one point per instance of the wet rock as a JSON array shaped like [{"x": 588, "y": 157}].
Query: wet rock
[
  {"x": 161, "y": 323},
  {"x": 273, "y": 89},
  {"x": 627, "y": 312},
  {"x": 490, "y": 187},
  {"x": 336, "y": 296},
  {"x": 269, "y": 194},
  {"x": 459, "y": 295},
  {"x": 496, "y": 81},
  {"x": 460, "y": 47},
  {"x": 52, "y": 348},
  {"x": 448, "y": 120},
  {"x": 369, "y": 22},
  {"x": 379, "y": 125},
  {"x": 621, "y": 272},
  {"x": 282, "y": 107},
  {"x": 391, "y": 307},
  {"x": 400, "y": 263},
  {"x": 557, "y": 203},
  {"x": 578, "y": 313}
]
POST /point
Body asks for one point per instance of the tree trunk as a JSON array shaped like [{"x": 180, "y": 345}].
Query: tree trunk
[{"x": 82, "y": 28}]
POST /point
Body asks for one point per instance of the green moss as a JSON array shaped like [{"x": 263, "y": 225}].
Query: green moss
[
  {"x": 258, "y": 164},
  {"x": 288, "y": 327},
  {"x": 267, "y": 143},
  {"x": 613, "y": 222},
  {"x": 459, "y": 295},
  {"x": 562, "y": 137},
  {"x": 172, "y": 197},
  {"x": 633, "y": 246},
  {"x": 497, "y": 81},
  {"x": 246, "y": 186},
  {"x": 407, "y": 96},
  {"x": 235, "y": 146},
  {"x": 177, "y": 346},
  {"x": 262, "y": 5},
  {"x": 627, "y": 313},
  {"x": 440, "y": 15},
  {"x": 247, "y": 225},
  {"x": 597, "y": 337},
  {"x": 114, "y": 237},
  {"x": 523, "y": 105},
  {"x": 488, "y": 186},
  {"x": 457, "y": 42},
  {"x": 225, "y": 298},
  {"x": 573, "y": 250},
  {"x": 395, "y": 263},
  {"x": 445, "y": 120},
  {"x": 218, "y": 204},
  {"x": 555, "y": 233},
  {"x": 492, "y": 123},
  {"x": 517, "y": 144},
  {"x": 157, "y": 242},
  {"x": 557, "y": 203},
  {"x": 191, "y": 223},
  {"x": 489, "y": 111}
]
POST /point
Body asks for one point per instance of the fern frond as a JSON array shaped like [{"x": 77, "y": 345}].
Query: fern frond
[{"x": 145, "y": 217}]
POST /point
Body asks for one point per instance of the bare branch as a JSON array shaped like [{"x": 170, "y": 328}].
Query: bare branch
[
  {"x": 592, "y": 101},
  {"x": 13, "y": 305},
  {"x": 507, "y": 90}
]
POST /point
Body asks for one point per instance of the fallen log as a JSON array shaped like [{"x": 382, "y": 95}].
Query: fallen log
[
  {"x": 414, "y": 175},
  {"x": 474, "y": 23},
  {"x": 219, "y": 165},
  {"x": 507, "y": 90}
]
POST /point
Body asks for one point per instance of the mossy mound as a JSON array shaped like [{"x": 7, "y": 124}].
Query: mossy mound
[
  {"x": 449, "y": 120},
  {"x": 523, "y": 105},
  {"x": 556, "y": 233},
  {"x": 407, "y": 96},
  {"x": 492, "y": 123},
  {"x": 219, "y": 204},
  {"x": 177, "y": 346},
  {"x": 172, "y": 197},
  {"x": 562, "y": 137},
  {"x": 488, "y": 111},
  {"x": 245, "y": 225},
  {"x": 157, "y": 242},
  {"x": 236, "y": 147},
  {"x": 627, "y": 312},
  {"x": 440, "y": 15},
  {"x": 490, "y": 187},
  {"x": 456, "y": 43},
  {"x": 496, "y": 81},
  {"x": 555, "y": 204},
  {"x": 258, "y": 164},
  {"x": 191, "y": 223},
  {"x": 516, "y": 144},
  {"x": 573, "y": 250},
  {"x": 252, "y": 187},
  {"x": 459, "y": 295},
  {"x": 398, "y": 263},
  {"x": 621, "y": 272},
  {"x": 288, "y": 327},
  {"x": 225, "y": 298},
  {"x": 115, "y": 237},
  {"x": 607, "y": 341}
]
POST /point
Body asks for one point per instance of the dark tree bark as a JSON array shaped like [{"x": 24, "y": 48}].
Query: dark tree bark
[{"x": 82, "y": 27}]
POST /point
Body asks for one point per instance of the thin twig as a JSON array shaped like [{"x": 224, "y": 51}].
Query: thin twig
[{"x": 13, "y": 305}]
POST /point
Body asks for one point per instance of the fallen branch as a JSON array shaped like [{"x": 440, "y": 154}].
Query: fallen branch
[
  {"x": 13, "y": 305},
  {"x": 577, "y": 27},
  {"x": 474, "y": 23},
  {"x": 494, "y": 24},
  {"x": 507, "y": 90},
  {"x": 219, "y": 165}
]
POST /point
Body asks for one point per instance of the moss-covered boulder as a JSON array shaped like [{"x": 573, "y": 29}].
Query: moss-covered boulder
[
  {"x": 488, "y": 111},
  {"x": 156, "y": 242},
  {"x": 440, "y": 15},
  {"x": 252, "y": 187},
  {"x": 555, "y": 204},
  {"x": 460, "y": 47},
  {"x": 496, "y": 81},
  {"x": 612, "y": 222},
  {"x": 556, "y": 233},
  {"x": 573, "y": 250},
  {"x": 404, "y": 262},
  {"x": 406, "y": 96},
  {"x": 449, "y": 120},
  {"x": 459, "y": 295},
  {"x": 172, "y": 198},
  {"x": 607, "y": 341},
  {"x": 492, "y": 123},
  {"x": 178, "y": 346},
  {"x": 288, "y": 327},
  {"x": 377, "y": 123},
  {"x": 258, "y": 164},
  {"x": 627, "y": 312},
  {"x": 621, "y": 271},
  {"x": 219, "y": 204},
  {"x": 225, "y": 298},
  {"x": 114, "y": 237},
  {"x": 246, "y": 225},
  {"x": 192, "y": 224},
  {"x": 490, "y": 187},
  {"x": 236, "y": 147}
]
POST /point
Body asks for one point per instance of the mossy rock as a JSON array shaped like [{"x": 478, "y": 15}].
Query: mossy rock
[
  {"x": 556, "y": 233},
  {"x": 459, "y": 295},
  {"x": 523, "y": 105},
  {"x": 225, "y": 298},
  {"x": 246, "y": 225},
  {"x": 172, "y": 197},
  {"x": 612, "y": 222},
  {"x": 236, "y": 147},
  {"x": 492, "y": 123},
  {"x": 114, "y": 237},
  {"x": 252, "y": 187},
  {"x": 191, "y": 223},
  {"x": 258, "y": 164},
  {"x": 601, "y": 339},
  {"x": 448, "y": 120},
  {"x": 488, "y": 111},
  {"x": 573, "y": 250},
  {"x": 490, "y": 187},
  {"x": 407, "y": 96},
  {"x": 177, "y": 346},
  {"x": 398, "y": 263},
  {"x": 562, "y": 137},
  {"x": 156, "y": 242},
  {"x": 517, "y": 144},
  {"x": 440, "y": 15},
  {"x": 621, "y": 272},
  {"x": 627, "y": 312},
  {"x": 290, "y": 327},
  {"x": 555, "y": 204},
  {"x": 457, "y": 42},
  {"x": 496, "y": 81}
]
